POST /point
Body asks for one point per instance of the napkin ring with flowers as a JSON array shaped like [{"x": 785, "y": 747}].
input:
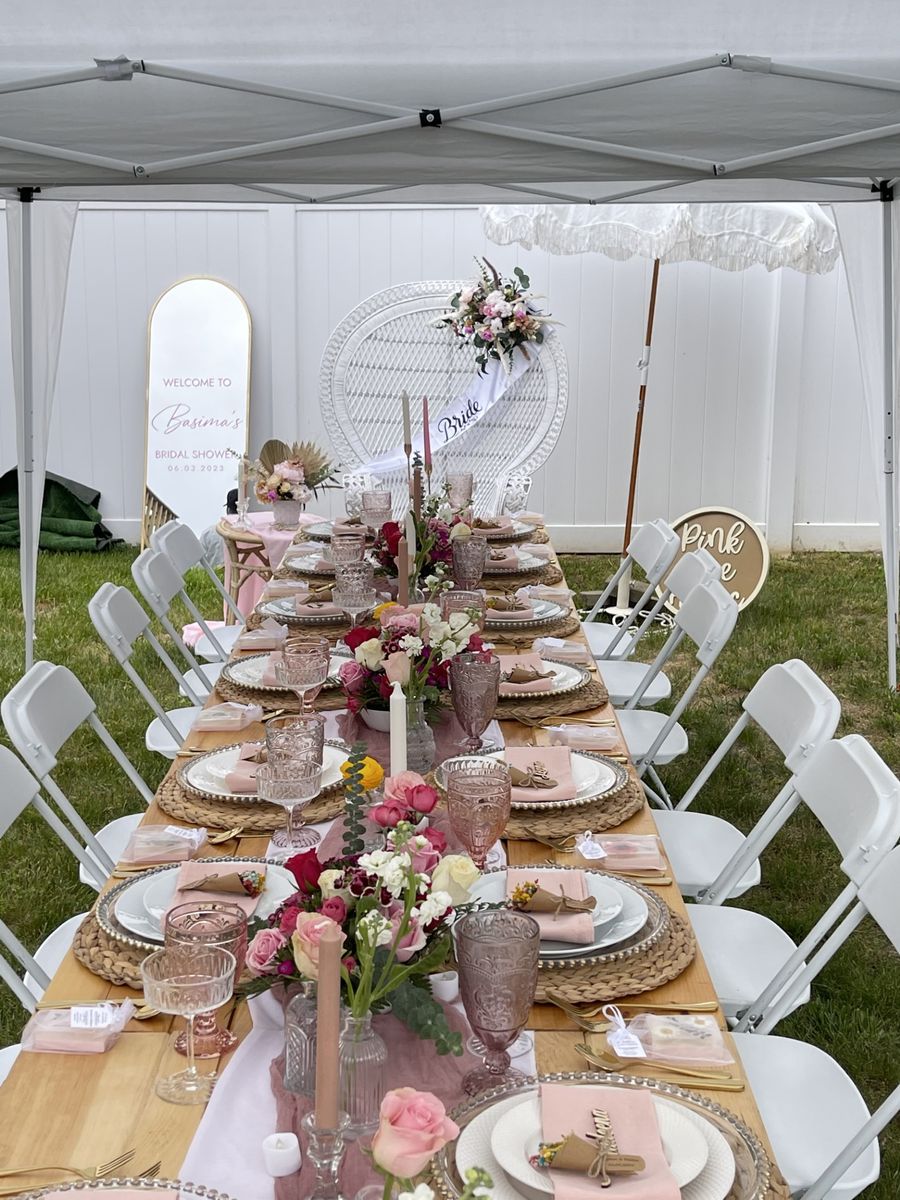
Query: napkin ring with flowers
[
  {"x": 247, "y": 883},
  {"x": 506, "y": 604},
  {"x": 531, "y": 897},
  {"x": 597, "y": 1161},
  {"x": 522, "y": 674},
  {"x": 535, "y": 775}
]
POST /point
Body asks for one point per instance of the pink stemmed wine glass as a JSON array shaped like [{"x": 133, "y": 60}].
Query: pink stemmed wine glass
[
  {"x": 497, "y": 954},
  {"x": 303, "y": 668},
  {"x": 474, "y": 690},
  {"x": 473, "y": 604},
  {"x": 469, "y": 559},
  {"x": 294, "y": 785},
  {"x": 204, "y": 923},
  {"x": 479, "y": 795}
]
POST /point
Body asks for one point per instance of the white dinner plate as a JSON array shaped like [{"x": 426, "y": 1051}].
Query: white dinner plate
[
  {"x": 491, "y": 888},
  {"x": 566, "y": 678},
  {"x": 544, "y": 610},
  {"x": 517, "y": 1136},
  {"x": 248, "y": 672},
  {"x": 593, "y": 777},
  {"x": 323, "y": 531},
  {"x": 142, "y": 905},
  {"x": 282, "y": 608},
  {"x": 524, "y": 562},
  {"x": 610, "y": 902},
  {"x": 473, "y": 1149},
  {"x": 308, "y": 564},
  {"x": 207, "y": 773}
]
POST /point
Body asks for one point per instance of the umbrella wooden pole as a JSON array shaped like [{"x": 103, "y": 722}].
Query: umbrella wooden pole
[{"x": 623, "y": 599}]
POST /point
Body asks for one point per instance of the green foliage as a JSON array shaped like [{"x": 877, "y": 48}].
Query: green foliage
[
  {"x": 413, "y": 1004},
  {"x": 355, "y": 802}
]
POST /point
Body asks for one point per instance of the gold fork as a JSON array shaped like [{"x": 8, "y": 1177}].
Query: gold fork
[
  {"x": 596, "y": 1010},
  {"x": 702, "y": 1079},
  {"x": 143, "y": 1012},
  {"x": 88, "y": 1173},
  {"x": 151, "y": 1171}
]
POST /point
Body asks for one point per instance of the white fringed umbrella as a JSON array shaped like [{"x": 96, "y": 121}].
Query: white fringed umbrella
[{"x": 732, "y": 237}]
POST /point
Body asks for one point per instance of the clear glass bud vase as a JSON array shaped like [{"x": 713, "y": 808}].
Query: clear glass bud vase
[
  {"x": 300, "y": 1042},
  {"x": 363, "y": 1056},
  {"x": 420, "y": 748}
]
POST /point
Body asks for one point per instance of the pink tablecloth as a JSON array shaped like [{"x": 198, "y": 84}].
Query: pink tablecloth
[{"x": 276, "y": 542}]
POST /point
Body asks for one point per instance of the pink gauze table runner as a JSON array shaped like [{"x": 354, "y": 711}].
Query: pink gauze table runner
[
  {"x": 276, "y": 543},
  {"x": 411, "y": 1062}
]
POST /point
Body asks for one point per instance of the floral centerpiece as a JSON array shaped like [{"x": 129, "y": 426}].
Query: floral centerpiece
[
  {"x": 412, "y": 646},
  {"x": 436, "y": 529},
  {"x": 394, "y": 905},
  {"x": 292, "y": 472},
  {"x": 495, "y": 315}
]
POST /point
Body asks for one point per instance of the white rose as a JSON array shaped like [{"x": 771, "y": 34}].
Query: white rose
[
  {"x": 459, "y": 621},
  {"x": 454, "y": 874},
  {"x": 327, "y": 881},
  {"x": 370, "y": 654},
  {"x": 460, "y": 532}
]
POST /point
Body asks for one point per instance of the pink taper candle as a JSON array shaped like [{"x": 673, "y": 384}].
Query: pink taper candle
[
  {"x": 426, "y": 435},
  {"x": 328, "y": 1027},
  {"x": 403, "y": 572}
]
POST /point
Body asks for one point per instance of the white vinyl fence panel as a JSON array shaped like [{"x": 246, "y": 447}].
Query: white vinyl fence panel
[{"x": 754, "y": 398}]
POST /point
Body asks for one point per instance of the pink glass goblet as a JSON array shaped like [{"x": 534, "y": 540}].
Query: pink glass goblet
[
  {"x": 497, "y": 954},
  {"x": 203, "y": 923},
  {"x": 303, "y": 668},
  {"x": 294, "y": 785},
  {"x": 479, "y": 795},
  {"x": 289, "y": 738},
  {"x": 474, "y": 689},
  {"x": 459, "y": 489},
  {"x": 471, "y": 603},
  {"x": 469, "y": 559}
]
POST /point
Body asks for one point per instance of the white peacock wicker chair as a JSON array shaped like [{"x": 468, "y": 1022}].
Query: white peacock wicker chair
[{"x": 389, "y": 343}]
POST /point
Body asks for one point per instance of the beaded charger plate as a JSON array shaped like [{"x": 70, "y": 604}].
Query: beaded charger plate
[
  {"x": 539, "y": 705},
  {"x": 123, "y": 1189},
  {"x": 755, "y": 1176},
  {"x": 544, "y": 612},
  {"x": 204, "y": 775},
  {"x": 106, "y": 905},
  {"x": 282, "y": 610},
  {"x": 248, "y": 671},
  {"x": 596, "y": 777},
  {"x": 252, "y": 818},
  {"x": 604, "y": 813}
]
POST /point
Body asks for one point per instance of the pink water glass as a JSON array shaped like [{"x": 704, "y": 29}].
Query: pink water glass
[
  {"x": 376, "y": 508},
  {"x": 471, "y": 603},
  {"x": 459, "y": 489},
  {"x": 304, "y": 668},
  {"x": 348, "y": 548},
  {"x": 474, "y": 690},
  {"x": 469, "y": 559},
  {"x": 293, "y": 785},
  {"x": 293, "y": 737},
  {"x": 497, "y": 955},
  {"x": 479, "y": 794},
  {"x": 202, "y": 923}
]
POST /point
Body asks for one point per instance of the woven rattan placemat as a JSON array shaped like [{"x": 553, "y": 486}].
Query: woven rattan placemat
[
  {"x": 605, "y": 813},
  {"x": 104, "y": 956},
  {"x": 592, "y": 695},
  {"x": 269, "y": 698},
  {"x": 225, "y": 814},
  {"x": 665, "y": 960},
  {"x": 560, "y": 627},
  {"x": 502, "y": 581}
]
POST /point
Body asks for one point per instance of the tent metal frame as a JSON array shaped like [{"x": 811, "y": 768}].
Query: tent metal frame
[{"x": 472, "y": 117}]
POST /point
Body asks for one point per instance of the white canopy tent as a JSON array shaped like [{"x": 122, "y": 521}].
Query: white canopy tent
[{"x": 319, "y": 103}]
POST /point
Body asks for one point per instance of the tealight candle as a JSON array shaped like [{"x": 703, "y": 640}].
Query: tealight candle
[{"x": 281, "y": 1154}]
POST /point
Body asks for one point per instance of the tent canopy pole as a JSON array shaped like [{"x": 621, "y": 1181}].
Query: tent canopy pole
[
  {"x": 26, "y": 466},
  {"x": 890, "y": 500}
]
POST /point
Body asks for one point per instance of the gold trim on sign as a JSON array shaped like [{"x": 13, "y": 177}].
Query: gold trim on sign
[{"x": 156, "y": 302}]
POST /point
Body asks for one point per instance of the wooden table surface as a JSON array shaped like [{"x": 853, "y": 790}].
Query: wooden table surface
[{"x": 87, "y": 1109}]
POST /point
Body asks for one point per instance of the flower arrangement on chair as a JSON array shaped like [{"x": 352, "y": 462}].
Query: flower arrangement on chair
[{"x": 495, "y": 315}]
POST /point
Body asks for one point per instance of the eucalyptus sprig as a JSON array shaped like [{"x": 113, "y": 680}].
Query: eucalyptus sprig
[{"x": 355, "y": 802}]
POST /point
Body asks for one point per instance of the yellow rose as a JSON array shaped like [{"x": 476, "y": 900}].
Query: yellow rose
[
  {"x": 455, "y": 874},
  {"x": 372, "y": 774},
  {"x": 381, "y": 608}
]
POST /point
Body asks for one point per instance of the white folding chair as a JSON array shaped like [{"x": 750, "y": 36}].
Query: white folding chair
[
  {"x": 707, "y": 618},
  {"x": 808, "y": 1103},
  {"x": 184, "y": 550},
  {"x": 710, "y": 858},
  {"x": 159, "y": 583},
  {"x": 623, "y": 677},
  {"x": 18, "y": 790},
  {"x": 759, "y": 973},
  {"x": 120, "y": 621},
  {"x": 653, "y": 548},
  {"x": 41, "y": 713}
]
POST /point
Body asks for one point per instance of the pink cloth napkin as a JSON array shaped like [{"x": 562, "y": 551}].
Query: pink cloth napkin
[
  {"x": 504, "y": 524},
  {"x": 631, "y": 852},
  {"x": 525, "y": 613},
  {"x": 339, "y": 527},
  {"x": 268, "y": 676},
  {"x": 507, "y": 562},
  {"x": 242, "y": 776},
  {"x": 508, "y": 661},
  {"x": 190, "y": 872},
  {"x": 311, "y": 560},
  {"x": 191, "y": 634},
  {"x": 632, "y": 1114},
  {"x": 577, "y": 927},
  {"x": 315, "y": 608},
  {"x": 557, "y": 760}
]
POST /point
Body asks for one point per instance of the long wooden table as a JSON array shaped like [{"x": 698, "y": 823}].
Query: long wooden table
[{"x": 87, "y": 1109}]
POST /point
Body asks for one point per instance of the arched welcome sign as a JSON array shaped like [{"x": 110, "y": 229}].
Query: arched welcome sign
[{"x": 198, "y": 394}]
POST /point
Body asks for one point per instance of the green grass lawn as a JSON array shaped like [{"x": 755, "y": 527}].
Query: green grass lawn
[{"x": 825, "y": 608}]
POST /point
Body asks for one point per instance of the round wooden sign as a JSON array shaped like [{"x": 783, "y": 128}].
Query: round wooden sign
[{"x": 734, "y": 541}]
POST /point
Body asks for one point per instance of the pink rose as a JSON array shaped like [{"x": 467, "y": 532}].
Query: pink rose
[
  {"x": 438, "y": 840},
  {"x": 396, "y": 667},
  {"x": 424, "y": 859},
  {"x": 409, "y": 790},
  {"x": 414, "y": 1126},
  {"x": 412, "y": 941},
  {"x": 353, "y": 676},
  {"x": 335, "y": 908},
  {"x": 305, "y": 941},
  {"x": 262, "y": 951},
  {"x": 386, "y": 815},
  {"x": 400, "y": 620},
  {"x": 290, "y": 471}
]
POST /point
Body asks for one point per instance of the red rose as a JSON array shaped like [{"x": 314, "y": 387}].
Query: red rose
[
  {"x": 335, "y": 908},
  {"x": 392, "y": 534},
  {"x": 476, "y": 643},
  {"x": 386, "y": 815},
  {"x": 306, "y": 869},
  {"x": 423, "y": 798},
  {"x": 356, "y": 637},
  {"x": 438, "y": 840}
]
